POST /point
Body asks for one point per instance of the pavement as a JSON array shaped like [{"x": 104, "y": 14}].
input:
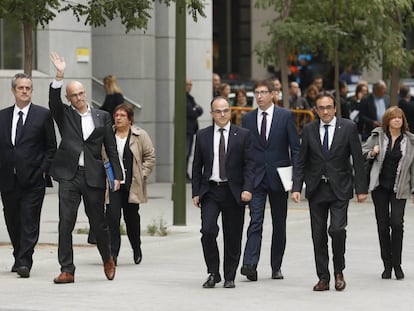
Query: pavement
[{"x": 173, "y": 270}]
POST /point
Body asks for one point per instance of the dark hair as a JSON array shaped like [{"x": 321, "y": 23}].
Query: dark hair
[
  {"x": 20, "y": 76},
  {"x": 267, "y": 83},
  {"x": 240, "y": 91},
  {"x": 325, "y": 94},
  {"x": 404, "y": 91},
  {"x": 128, "y": 108},
  {"x": 390, "y": 114}
]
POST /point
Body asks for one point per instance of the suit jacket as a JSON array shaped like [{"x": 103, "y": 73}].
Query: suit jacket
[
  {"x": 312, "y": 163},
  {"x": 408, "y": 108},
  {"x": 32, "y": 155},
  {"x": 368, "y": 113},
  {"x": 280, "y": 150},
  {"x": 239, "y": 162},
  {"x": 65, "y": 163}
]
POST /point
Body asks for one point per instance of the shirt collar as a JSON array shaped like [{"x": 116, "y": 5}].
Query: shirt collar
[
  {"x": 226, "y": 127},
  {"x": 88, "y": 110},
  {"x": 25, "y": 110},
  {"x": 332, "y": 123},
  {"x": 269, "y": 110}
]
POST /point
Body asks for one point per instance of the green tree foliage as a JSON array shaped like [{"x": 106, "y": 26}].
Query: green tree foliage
[
  {"x": 134, "y": 14},
  {"x": 362, "y": 33}
]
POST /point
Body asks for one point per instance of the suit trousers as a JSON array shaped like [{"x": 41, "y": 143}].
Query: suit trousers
[
  {"x": 70, "y": 194},
  {"x": 389, "y": 212},
  {"x": 22, "y": 209},
  {"x": 220, "y": 199},
  {"x": 322, "y": 203},
  {"x": 278, "y": 208},
  {"x": 119, "y": 202}
]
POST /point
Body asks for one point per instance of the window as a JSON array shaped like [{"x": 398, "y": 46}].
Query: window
[{"x": 12, "y": 45}]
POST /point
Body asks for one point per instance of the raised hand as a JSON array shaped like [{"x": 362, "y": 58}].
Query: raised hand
[{"x": 59, "y": 63}]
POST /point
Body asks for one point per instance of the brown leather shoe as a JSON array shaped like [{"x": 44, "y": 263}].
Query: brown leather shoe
[
  {"x": 339, "y": 282},
  {"x": 321, "y": 286},
  {"x": 64, "y": 277},
  {"x": 109, "y": 268}
]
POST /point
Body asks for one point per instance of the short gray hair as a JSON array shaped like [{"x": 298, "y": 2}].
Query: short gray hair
[{"x": 20, "y": 76}]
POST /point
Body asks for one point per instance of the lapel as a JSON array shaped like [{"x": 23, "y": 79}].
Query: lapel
[
  {"x": 315, "y": 129},
  {"x": 9, "y": 119},
  {"x": 75, "y": 121},
  {"x": 210, "y": 145},
  {"x": 275, "y": 118},
  {"x": 231, "y": 141},
  {"x": 337, "y": 138}
]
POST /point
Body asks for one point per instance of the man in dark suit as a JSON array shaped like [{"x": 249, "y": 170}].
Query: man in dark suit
[
  {"x": 222, "y": 182},
  {"x": 79, "y": 169},
  {"x": 324, "y": 165},
  {"x": 372, "y": 108},
  {"x": 27, "y": 144},
  {"x": 193, "y": 112},
  {"x": 275, "y": 144},
  {"x": 407, "y": 106}
]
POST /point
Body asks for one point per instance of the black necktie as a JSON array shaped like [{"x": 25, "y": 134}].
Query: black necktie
[
  {"x": 325, "y": 143},
  {"x": 222, "y": 156},
  {"x": 19, "y": 128},
  {"x": 263, "y": 128}
]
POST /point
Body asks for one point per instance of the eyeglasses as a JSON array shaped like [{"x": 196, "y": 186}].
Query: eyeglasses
[
  {"x": 80, "y": 94},
  {"x": 323, "y": 108},
  {"x": 219, "y": 112},
  {"x": 262, "y": 93}
]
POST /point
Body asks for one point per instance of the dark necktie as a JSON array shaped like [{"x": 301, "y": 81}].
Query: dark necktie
[
  {"x": 325, "y": 143},
  {"x": 19, "y": 128},
  {"x": 264, "y": 125},
  {"x": 222, "y": 156}
]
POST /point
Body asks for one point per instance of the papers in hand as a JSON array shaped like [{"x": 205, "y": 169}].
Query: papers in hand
[
  {"x": 285, "y": 174},
  {"x": 110, "y": 175}
]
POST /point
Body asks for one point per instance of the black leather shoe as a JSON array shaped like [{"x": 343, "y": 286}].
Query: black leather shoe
[
  {"x": 23, "y": 271},
  {"x": 137, "y": 256},
  {"x": 13, "y": 268},
  {"x": 321, "y": 286},
  {"x": 229, "y": 284},
  {"x": 212, "y": 280},
  {"x": 249, "y": 271},
  {"x": 277, "y": 275},
  {"x": 386, "y": 274},
  {"x": 399, "y": 274}
]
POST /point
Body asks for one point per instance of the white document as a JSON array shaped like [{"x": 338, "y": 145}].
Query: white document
[{"x": 285, "y": 174}]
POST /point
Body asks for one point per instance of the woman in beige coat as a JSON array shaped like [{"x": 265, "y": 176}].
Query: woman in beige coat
[
  {"x": 137, "y": 158},
  {"x": 391, "y": 183}
]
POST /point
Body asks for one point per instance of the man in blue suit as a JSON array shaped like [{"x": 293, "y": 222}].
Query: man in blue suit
[
  {"x": 275, "y": 144},
  {"x": 27, "y": 144}
]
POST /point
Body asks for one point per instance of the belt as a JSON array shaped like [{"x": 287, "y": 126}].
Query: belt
[
  {"x": 219, "y": 183},
  {"x": 324, "y": 180}
]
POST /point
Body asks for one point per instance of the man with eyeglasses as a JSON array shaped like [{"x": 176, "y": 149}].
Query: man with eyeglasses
[
  {"x": 324, "y": 165},
  {"x": 79, "y": 169},
  {"x": 275, "y": 145},
  {"x": 222, "y": 183}
]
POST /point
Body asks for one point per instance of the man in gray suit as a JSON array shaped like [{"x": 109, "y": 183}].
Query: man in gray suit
[
  {"x": 79, "y": 169},
  {"x": 324, "y": 165}
]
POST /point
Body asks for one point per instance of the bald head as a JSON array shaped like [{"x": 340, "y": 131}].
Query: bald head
[{"x": 76, "y": 95}]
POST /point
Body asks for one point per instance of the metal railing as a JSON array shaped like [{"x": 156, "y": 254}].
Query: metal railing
[
  {"x": 301, "y": 116},
  {"x": 98, "y": 103}
]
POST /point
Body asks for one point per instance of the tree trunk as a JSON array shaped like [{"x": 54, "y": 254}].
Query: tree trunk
[
  {"x": 28, "y": 47},
  {"x": 394, "y": 86},
  {"x": 336, "y": 84},
  {"x": 281, "y": 50}
]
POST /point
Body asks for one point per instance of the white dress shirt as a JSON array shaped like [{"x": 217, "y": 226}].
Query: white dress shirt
[
  {"x": 215, "y": 174},
  {"x": 16, "y": 111},
  {"x": 269, "y": 119},
  {"x": 331, "y": 131}
]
